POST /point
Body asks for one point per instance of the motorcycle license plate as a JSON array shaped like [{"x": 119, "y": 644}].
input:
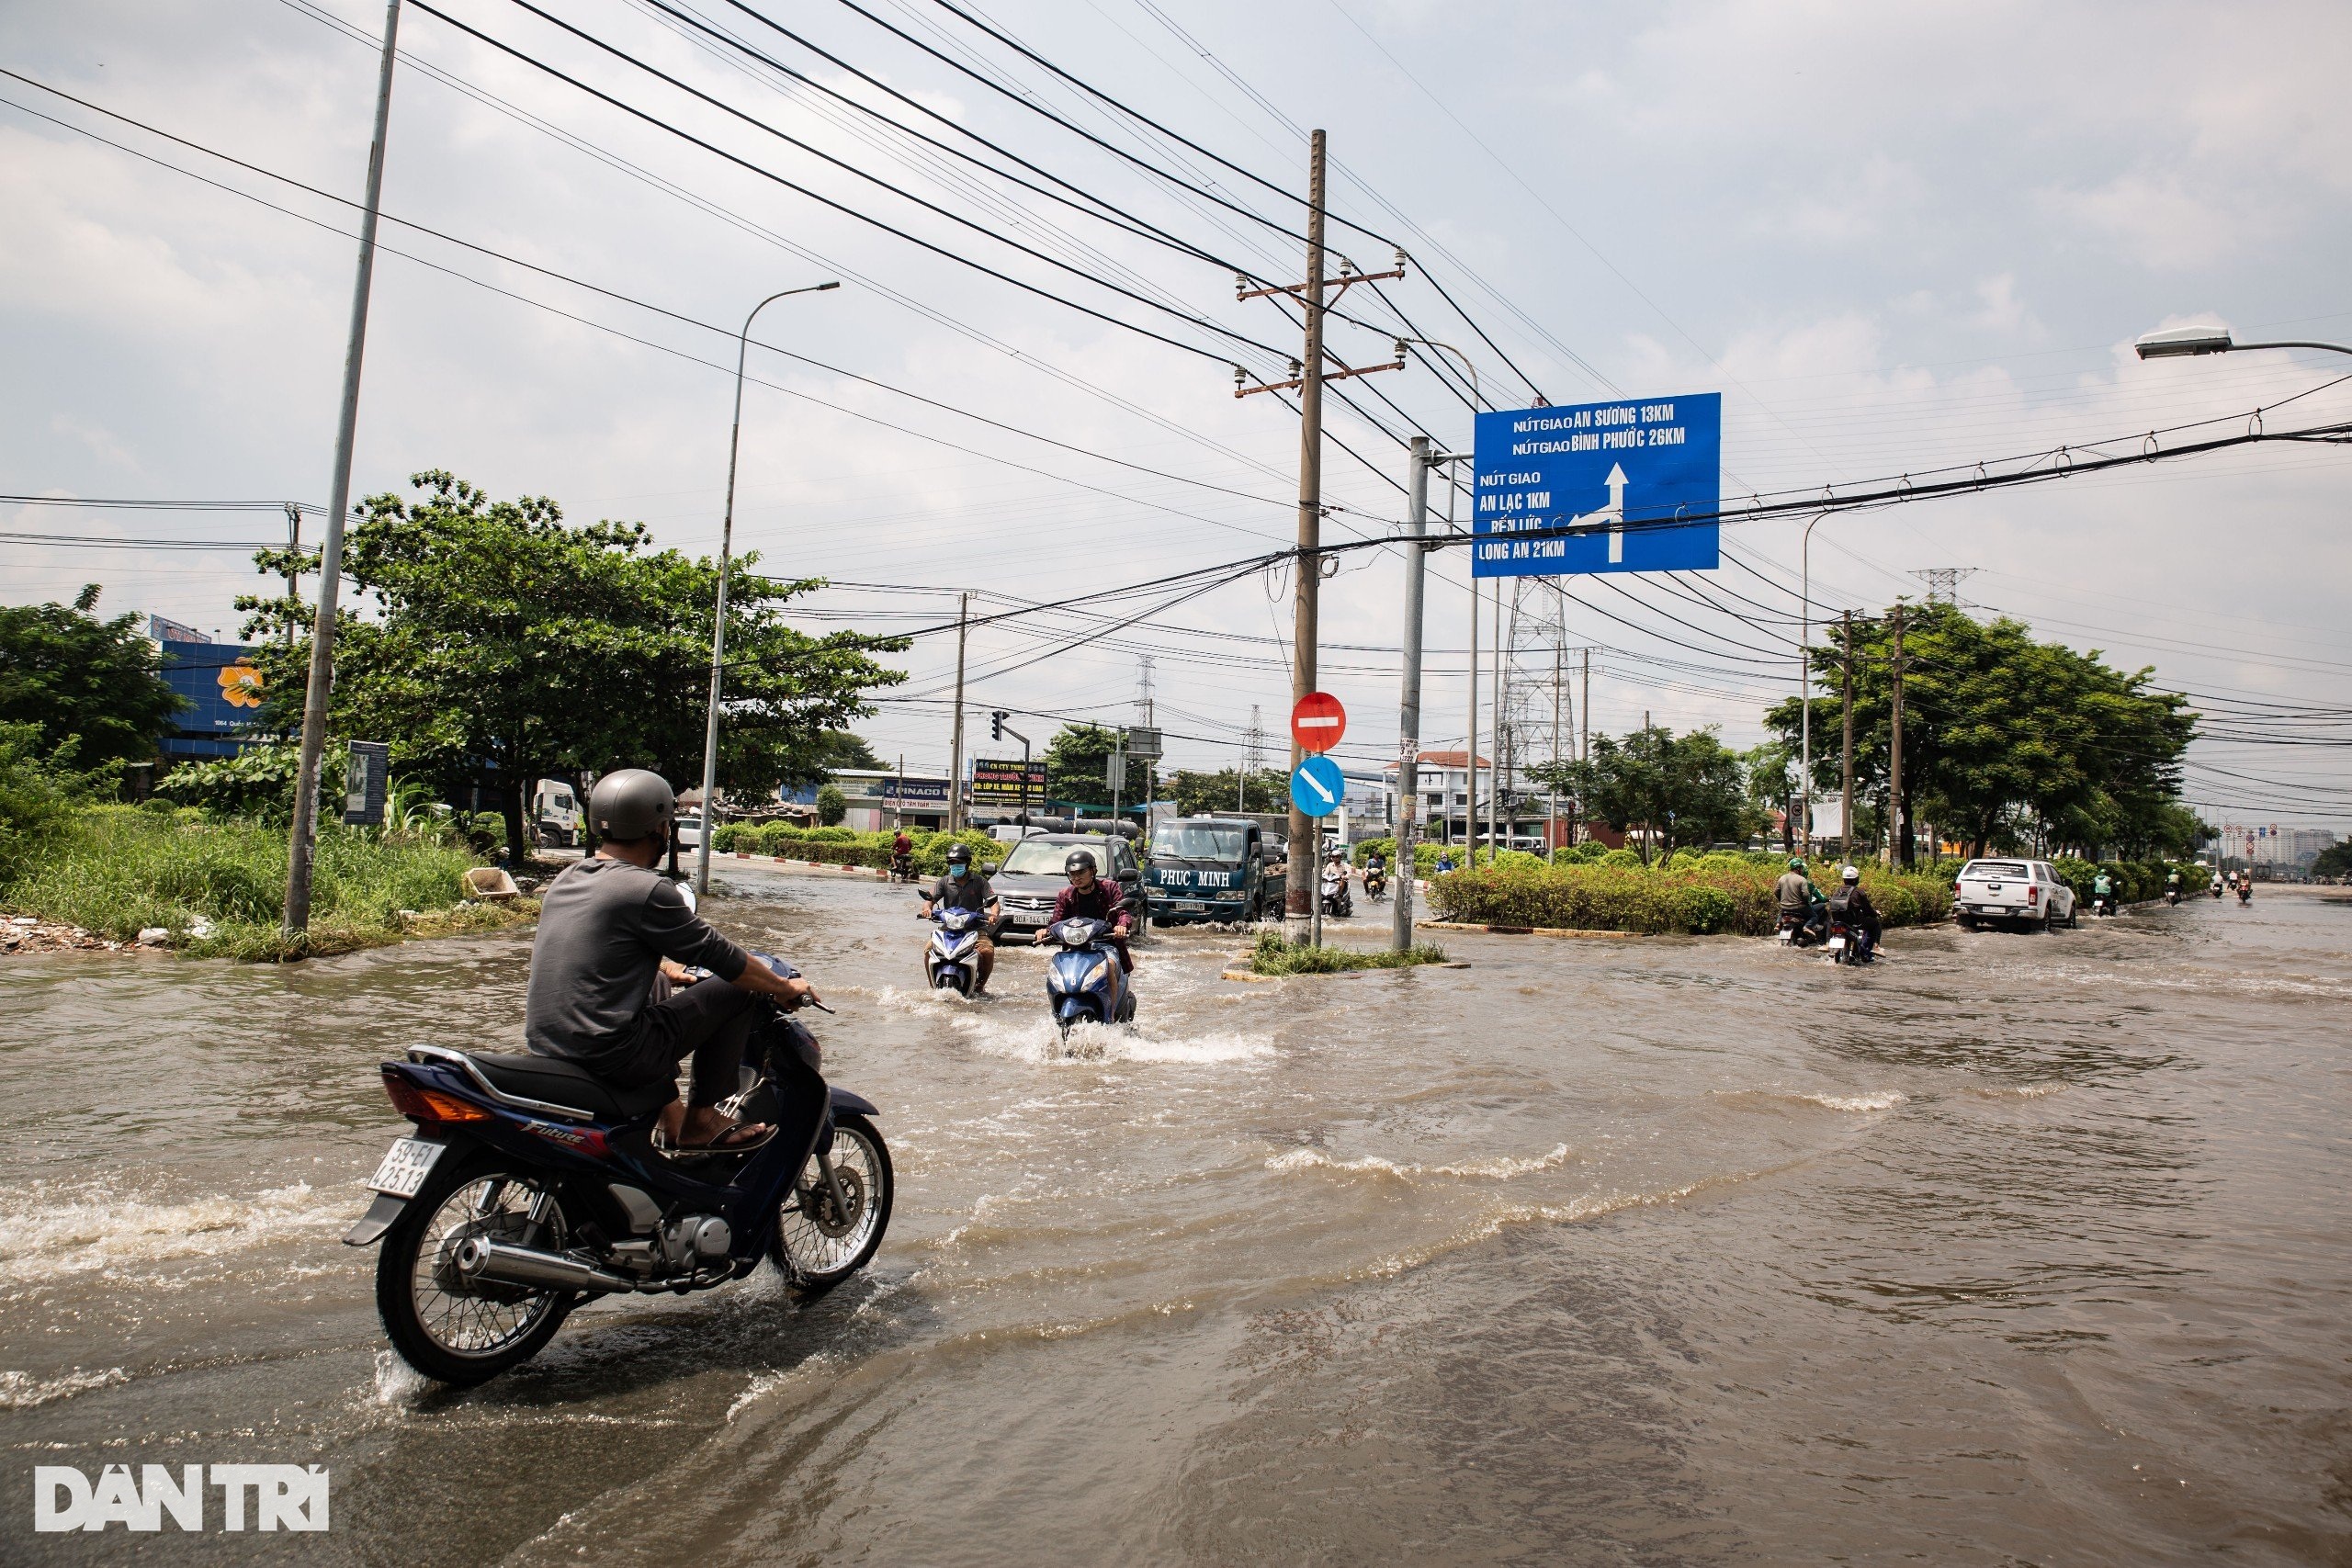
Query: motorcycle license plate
[
  {"x": 1836, "y": 944},
  {"x": 405, "y": 1166}
]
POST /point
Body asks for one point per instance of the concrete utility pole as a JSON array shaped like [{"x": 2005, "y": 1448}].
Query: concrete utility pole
[
  {"x": 1409, "y": 701},
  {"x": 1552, "y": 816},
  {"x": 955, "y": 746},
  {"x": 321, "y": 678},
  {"x": 1895, "y": 763},
  {"x": 1584, "y": 727},
  {"x": 1846, "y": 821},
  {"x": 1299, "y": 888},
  {"x": 1470, "y": 751},
  {"x": 293, "y": 576}
]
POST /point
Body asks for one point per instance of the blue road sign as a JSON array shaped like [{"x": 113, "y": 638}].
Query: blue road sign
[
  {"x": 1317, "y": 786},
  {"x": 1596, "y": 487}
]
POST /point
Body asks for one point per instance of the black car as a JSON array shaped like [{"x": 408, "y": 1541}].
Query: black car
[{"x": 1032, "y": 875}]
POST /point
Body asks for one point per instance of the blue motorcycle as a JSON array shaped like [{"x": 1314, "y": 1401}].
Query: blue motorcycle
[
  {"x": 952, "y": 962},
  {"x": 531, "y": 1184},
  {"x": 1084, "y": 980}
]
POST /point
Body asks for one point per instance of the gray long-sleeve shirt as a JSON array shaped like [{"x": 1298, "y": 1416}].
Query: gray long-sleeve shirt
[{"x": 604, "y": 927}]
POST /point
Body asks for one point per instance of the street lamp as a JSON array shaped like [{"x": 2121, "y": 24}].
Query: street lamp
[
  {"x": 2175, "y": 343},
  {"x": 1804, "y": 693},
  {"x": 718, "y": 622}
]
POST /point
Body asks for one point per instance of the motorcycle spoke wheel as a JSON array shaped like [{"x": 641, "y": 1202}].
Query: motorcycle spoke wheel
[
  {"x": 817, "y": 1242},
  {"x": 480, "y": 1320}
]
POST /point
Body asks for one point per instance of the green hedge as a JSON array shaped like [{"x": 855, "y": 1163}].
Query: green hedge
[{"x": 1711, "y": 894}]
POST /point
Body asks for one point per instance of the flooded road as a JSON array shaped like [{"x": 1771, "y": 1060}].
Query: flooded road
[{"x": 2012, "y": 1248}]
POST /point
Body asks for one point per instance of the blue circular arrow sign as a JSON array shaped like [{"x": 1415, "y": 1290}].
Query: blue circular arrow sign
[{"x": 1317, "y": 788}]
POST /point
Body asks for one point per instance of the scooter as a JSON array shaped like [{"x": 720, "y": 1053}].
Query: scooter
[
  {"x": 1336, "y": 900},
  {"x": 2245, "y": 894},
  {"x": 2217, "y": 890},
  {"x": 952, "y": 962},
  {"x": 1800, "y": 931},
  {"x": 2103, "y": 904},
  {"x": 532, "y": 1185},
  {"x": 2172, "y": 895},
  {"x": 1846, "y": 945},
  {"x": 1084, "y": 980},
  {"x": 1375, "y": 882},
  {"x": 902, "y": 868}
]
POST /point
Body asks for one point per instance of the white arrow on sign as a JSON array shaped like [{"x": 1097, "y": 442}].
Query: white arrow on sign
[
  {"x": 1317, "y": 785},
  {"x": 1612, "y": 517}
]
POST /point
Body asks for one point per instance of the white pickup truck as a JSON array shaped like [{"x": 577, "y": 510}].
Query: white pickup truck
[{"x": 2027, "y": 892}]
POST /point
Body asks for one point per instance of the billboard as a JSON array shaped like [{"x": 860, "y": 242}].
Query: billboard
[
  {"x": 1597, "y": 487},
  {"x": 219, "y": 682},
  {"x": 1012, "y": 783}
]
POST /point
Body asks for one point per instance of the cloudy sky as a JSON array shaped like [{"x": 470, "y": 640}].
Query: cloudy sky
[{"x": 1895, "y": 239}]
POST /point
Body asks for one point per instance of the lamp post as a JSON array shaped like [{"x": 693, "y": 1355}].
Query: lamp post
[
  {"x": 2175, "y": 343},
  {"x": 719, "y": 620},
  {"x": 1804, "y": 693}
]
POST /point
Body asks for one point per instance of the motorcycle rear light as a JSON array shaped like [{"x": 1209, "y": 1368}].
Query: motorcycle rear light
[{"x": 430, "y": 1104}]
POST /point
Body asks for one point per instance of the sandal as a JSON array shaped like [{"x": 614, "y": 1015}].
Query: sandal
[{"x": 732, "y": 1139}]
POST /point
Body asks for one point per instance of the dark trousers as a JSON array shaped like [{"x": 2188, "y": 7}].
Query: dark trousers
[{"x": 710, "y": 1021}]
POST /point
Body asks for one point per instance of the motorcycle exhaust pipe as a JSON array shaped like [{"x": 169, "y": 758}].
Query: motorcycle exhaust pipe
[{"x": 494, "y": 1262}]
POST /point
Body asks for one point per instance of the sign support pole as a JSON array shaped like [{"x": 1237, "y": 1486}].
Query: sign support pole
[
  {"x": 323, "y": 628},
  {"x": 955, "y": 747},
  {"x": 1408, "y": 703},
  {"x": 1302, "y": 901}
]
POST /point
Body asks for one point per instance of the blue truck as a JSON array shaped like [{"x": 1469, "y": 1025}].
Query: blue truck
[{"x": 1214, "y": 868}]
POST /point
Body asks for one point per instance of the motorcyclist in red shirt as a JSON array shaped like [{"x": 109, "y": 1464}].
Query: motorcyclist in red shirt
[{"x": 1089, "y": 897}]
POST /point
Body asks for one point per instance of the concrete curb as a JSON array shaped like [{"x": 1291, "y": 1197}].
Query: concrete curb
[{"x": 1524, "y": 931}]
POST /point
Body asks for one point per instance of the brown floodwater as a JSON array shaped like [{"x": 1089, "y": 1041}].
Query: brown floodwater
[{"x": 2013, "y": 1248}]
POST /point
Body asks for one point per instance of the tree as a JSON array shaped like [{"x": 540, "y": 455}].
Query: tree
[
  {"x": 1772, "y": 789},
  {"x": 836, "y": 749},
  {"x": 831, "y": 806},
  {"x": 1205, "y": 795},
  {"x": 2334, "y": 861},
  {"x": 2006, "y": 741},
  {"x": 1074, "y": 760},
  {"x": 1684, "y": 789},
  {"x": 491, "y": 642},
  {"x": 73, "y": 677}
]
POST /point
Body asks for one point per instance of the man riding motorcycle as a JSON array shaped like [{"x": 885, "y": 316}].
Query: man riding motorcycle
[
  {"x": 964, "y": 887},
  {"x": 2103, "y": 892},
  {"x": 1089, "y": 897},
  {"x": 609, "y": 986},
  {"x": 903, "y": 856},
  {"x": 1375, "y": 874},
  {"x": 1802, "y": 904},
  {"x": 1853, "y": 905}
]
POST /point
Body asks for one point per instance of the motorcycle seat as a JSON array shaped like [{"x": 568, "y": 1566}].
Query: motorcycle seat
[{"x": 567, "y": 1084}]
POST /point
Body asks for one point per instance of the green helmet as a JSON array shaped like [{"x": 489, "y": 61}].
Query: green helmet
[{"x": 1797, "y": 865}]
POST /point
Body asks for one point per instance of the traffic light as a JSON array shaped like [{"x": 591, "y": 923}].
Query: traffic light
[{"x": 996, "y": 723}]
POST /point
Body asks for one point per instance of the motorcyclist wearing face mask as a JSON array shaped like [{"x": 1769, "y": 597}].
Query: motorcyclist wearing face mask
[
  {"x": 966, "y": 888},
  {"x": 1853, "y": 905},
  {"x": 1089, "y": 897}
]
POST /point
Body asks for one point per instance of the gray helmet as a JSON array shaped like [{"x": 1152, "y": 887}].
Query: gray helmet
[
  {"x": 959, "y": 854},
  {"x": 631, "y": 804},
  {"x": 1079, "y": 860}
]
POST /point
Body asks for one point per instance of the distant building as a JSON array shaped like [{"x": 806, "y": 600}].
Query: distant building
[
  {"x": 882, "y": 797},
  {"x": 1442, "y": 780}
]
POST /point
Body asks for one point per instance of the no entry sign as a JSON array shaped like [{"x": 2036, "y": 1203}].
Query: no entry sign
[{"x": 1318, "y": 722}]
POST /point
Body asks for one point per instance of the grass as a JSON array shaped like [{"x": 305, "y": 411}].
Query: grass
[
  {"x": 120, "y": 870},
  {"x": 1275, "y": 956}
]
